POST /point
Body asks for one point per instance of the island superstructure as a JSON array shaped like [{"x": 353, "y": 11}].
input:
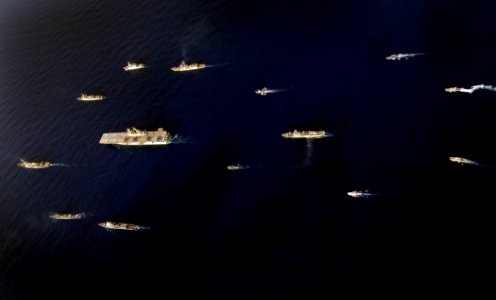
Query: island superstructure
[
  {"x": 90, "y": 97},
  {"x": 121, "y": 226},
  {"x": 133, "y": 66},
  {"x": 57, "y": 216},
  {"x": 34, "y": 165},
  {"x": 296, "y": 134},
  {"x": 135, "y": 137},
  {"x": 183, "y": 67}
]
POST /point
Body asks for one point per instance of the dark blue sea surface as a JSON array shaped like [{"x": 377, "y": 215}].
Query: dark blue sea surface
[{"x": 284, "y": 228}]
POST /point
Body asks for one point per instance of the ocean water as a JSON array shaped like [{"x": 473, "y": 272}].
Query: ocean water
[{"x": 284, "y": 228}]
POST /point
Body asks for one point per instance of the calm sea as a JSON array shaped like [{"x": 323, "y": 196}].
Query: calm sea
[{"x": 284, "y": 228}]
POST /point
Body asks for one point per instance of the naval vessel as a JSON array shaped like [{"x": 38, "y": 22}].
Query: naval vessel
[
  {"x": 183, "y": 67},
  {"x": 120, "y": 226},
  {"x": 462, "y": 161},
  {"x": 401, "y": 56},
  {"x": 306, "y": 134},
  {"x": 89, "y": 97},
  {"x": 57, "y": 216},
  {"x": 359, "y": 194},
  {"x": 262, "y": 92},
  {"x": 133, "y": 66},
  {"x": 34, "y": 165},
  {"x": 135, "y": 137},
  {"x": 456, "y": 89},
  {"x": 236, "y": 167}
]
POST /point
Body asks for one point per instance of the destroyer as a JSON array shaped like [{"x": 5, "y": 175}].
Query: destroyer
[
  {"x": 133, "y": 66},
  {"x": 57, "y": 216},
  {"x": 263, "y": 91},
  {"x": 88, "y": 97},
  {"x": 401, "y": 56},
  {"x": 34, "y": 165},
  {"x": 457, "y": 89},
  {"x": 462, "y": 161},
  {"x": 359, "y": 194},
  {"x": 121, "y": 226},
  {"x": 306, "y": 134},
  {"x": 236, "y": 167},
  {"x": 135, "y": 137},
  {"x": 183, "y": 67}
]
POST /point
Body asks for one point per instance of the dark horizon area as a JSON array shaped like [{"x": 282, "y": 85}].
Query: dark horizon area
[{"x": 284, "y": 228}]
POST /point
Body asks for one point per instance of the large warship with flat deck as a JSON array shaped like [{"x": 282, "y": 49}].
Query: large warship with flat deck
[
  {"x": 306, "y": 134},
  {"x": 135, "y": 137}
]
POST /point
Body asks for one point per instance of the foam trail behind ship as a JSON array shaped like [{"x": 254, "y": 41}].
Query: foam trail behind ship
[
  {"x": 63, "y": 165},
  {"x": 177, "y": 139},
  {"x": 217, "y": 65},
  {"x": 272, "y": 91},
  {"x": 478, "y": 87},
  {"x": 484, "y": 87},
  {"x": 309, "y": 154}
]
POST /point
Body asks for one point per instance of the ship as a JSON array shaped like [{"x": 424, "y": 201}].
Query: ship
[
  {"x": 454, "y": 89},
  {"x": 359, "y": 194},
  {"x": 236, "y": 167},
  {"x": 306, "y": 134},
  {"x": 183, "y": 67},
  {"x": 120, "y": 226},
  {"x": 471, "y": 89},
  {"x": 135, "y": 137},
  {"x": 133, "y": 66},
  {"x": 394, "y": 57},
  {"x": 401, "y": 56},
  {"x": 262, "y": 92},
  {"x": 34, "y": 165},
  {"x": 462, "y": 161},
  {"x": 57, "y": 216},
  {"x": 90, "y": 97}
]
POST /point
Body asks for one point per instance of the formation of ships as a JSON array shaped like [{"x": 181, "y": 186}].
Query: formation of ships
[
  {"x": 141, "y": 138},
  {"x": 107, "y": 224}
]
